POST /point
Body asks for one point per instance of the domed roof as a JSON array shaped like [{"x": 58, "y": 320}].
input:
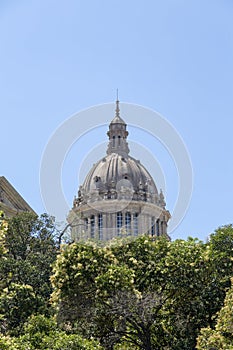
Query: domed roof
[
  {"x": 118, "y": 175},
  {"x": 115, "y": 171}
]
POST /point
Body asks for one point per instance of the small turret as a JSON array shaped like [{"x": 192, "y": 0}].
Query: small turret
[{"x": 118, "y": 134}]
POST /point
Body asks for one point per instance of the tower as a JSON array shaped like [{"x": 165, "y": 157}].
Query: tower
[{"x": 118, "y": 196}]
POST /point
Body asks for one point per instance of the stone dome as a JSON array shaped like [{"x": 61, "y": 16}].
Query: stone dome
[
  {"x": 118, "y": 194},
  {"x": 118, "y": 175},
  {"x": 115, "y": 174}
]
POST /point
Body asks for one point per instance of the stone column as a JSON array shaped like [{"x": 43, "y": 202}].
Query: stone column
[
  {"x": 113, "y": 225},
  {"x": 143, "y": 224},
  {"x": 161, "y": 227},
  {"x": 96, "y": 233},
  {"x": 140, "y": 223},
  {"x": 131, "y": 224},
  {"x": 123, "y": 222},
  {"x": 104, "y": 227},
  {"x": 148, "y": 223}
]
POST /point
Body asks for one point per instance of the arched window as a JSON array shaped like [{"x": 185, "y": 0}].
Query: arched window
[
  {"x": 113, "y": 141},
  {"x": 119, "y": 140}
]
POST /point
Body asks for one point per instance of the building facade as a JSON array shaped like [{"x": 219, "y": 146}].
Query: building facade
[
  {"x": 11, "y": 202},
  {"x": 118, "y": 196}
]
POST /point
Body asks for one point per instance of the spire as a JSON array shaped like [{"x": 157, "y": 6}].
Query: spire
[
  {"x": 117, "y": 107},
  {"x": 117, "y": 119}
]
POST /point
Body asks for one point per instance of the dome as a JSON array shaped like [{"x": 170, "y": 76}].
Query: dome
[
  {"x": 117, "y": 173},
  {"x": 118, "y": 194}
]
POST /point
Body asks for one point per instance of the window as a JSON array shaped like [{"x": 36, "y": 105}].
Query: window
[
  {"x": 119, "y": 140},
  {"x": 128, "y": 222},
  {"x": 86, "y": 224},
  {"x": 157, "y": 228},
  {"x": 162, "y": 228},
  {"x": 92, "y": 226},
  {"x": 113, "y": 141},
  {"x": 119, "y": 223},
  {"x": 100, "y": 226},
  {"x": 153, "y": 226},
  {"x": 135, "y": 224}
]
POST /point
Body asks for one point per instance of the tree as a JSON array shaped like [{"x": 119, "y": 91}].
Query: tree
[
  {"x": 25, "y": 268},
  {"x": 220, "y": 338},
  {"x": 17, "y": 303},
  {"x": 3, "y": 230},
  {"x": 221, "y": 253},
  {"x": 42, "y": 333},
  {"x": 145, "y": 292}
]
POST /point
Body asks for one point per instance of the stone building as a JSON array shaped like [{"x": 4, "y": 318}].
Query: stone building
[
  {"x": 11, "y": 202},
  {"x": 118, "y": 195}
]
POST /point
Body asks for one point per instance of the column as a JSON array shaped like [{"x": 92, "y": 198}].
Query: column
[
  {"x": 104, "y": 227},
  {"x": 113, "y": 225},
  {"x": 96, "y": 228}
]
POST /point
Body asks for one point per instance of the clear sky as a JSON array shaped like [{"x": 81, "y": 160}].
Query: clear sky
[{"x": 171, "y": 56}]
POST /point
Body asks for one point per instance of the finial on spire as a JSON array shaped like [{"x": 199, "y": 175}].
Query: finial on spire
[{"x": 117, "y": 106}]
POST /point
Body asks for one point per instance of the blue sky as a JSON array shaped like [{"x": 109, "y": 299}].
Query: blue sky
[{"x": 172, "y": 56}]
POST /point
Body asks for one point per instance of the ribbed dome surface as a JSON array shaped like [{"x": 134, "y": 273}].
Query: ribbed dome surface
[{"x": 115, "y": 171}]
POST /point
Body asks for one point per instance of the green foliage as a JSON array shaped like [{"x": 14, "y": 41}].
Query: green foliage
[
  {"x": 6, "y": 343},
  {"x": 71, "y": 342},
  {"x": 41, "y": 333},
  {"x": 221, "y": 252},
  {"x": 130, "y": 293},
  {"x": 25, "y": 268},
  {"x": 221, "y": 338},
  {"x": 3, "y": 230},
  {"x": 17, "y": 302},
  {"x": 36, "y": 329},
  {"x": 151, "y": 293}
]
